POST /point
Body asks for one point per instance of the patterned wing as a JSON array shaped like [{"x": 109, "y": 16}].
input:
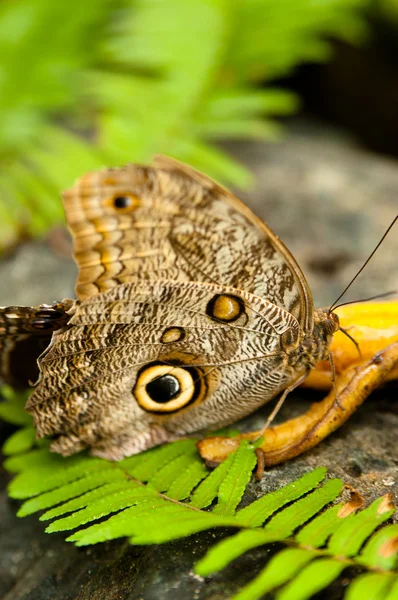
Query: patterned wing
[
  {"x": 190, "y": 313},
  {"x": 147, "y": 362},
  {"x": 25, "y": 332},
  {"x": 171, "y": 222}
]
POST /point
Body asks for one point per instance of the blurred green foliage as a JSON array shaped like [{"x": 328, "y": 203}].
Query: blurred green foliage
[
  {"x": 387, "y": 9},
  {"x": 89, "y": 84}
]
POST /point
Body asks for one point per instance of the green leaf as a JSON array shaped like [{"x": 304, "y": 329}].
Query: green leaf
[
  {"x": 234, "y": 484},
  {"x": 41, "y": 479},
  {"x": 20, "y": 441},
  {"x": 381, "y": 551},
  {"x": 151, "y": 462},
  {"x": 183, "y": 485},
  {"x": 220, "y": 555},
  {"x": 354, "y": 530},
  {"x": 311, "y": 579},
  {"x": 152, "y": 521},
  {"x": 290, "y": 518},
  {"x": 82, "y": 501},
  {"x": 36, "y": 457},
  {"x": 182, "y": 524},
  {"x": 116, "y": 526},
  {"x": 258, "y": 511},
  {"x": 13, "y": 414},
  {"x": 12, "y": 408},
  {"x": 207, "y": 491},
  {"x": 165, "y": 476},
  {"x": 316, "y": 533},
  {"x": 281, "y": 569},
  {"x": 393, "y": 591},
  {"x": 70, "y": 490},
  {"x": 114, "y": 502},
  {"x": 371, "y": 586}
]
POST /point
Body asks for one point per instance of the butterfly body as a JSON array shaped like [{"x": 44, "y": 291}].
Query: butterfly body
[{"x": 190, "y": 314}]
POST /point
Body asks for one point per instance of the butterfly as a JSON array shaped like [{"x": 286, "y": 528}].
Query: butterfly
[{"x": 190, "y": 314}]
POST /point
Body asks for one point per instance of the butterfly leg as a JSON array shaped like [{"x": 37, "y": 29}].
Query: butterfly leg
[
  {"x": 279, "y": 404},
  {"x": 333, "y": 377},
  {"x": 290, "y": 439}
]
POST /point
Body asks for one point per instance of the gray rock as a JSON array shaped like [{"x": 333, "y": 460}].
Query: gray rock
[{"x": 33, "y": 274}]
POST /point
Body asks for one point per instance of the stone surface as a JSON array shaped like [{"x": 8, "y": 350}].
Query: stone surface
[
  {"x": 33, "y": 274},
  {"x": 330, "y": 202}
]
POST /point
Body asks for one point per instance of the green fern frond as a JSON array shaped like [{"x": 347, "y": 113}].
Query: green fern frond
[
  {"x": 12, "y": 407},
  {"x": 84, "y": 85},
  {"x": 167, "y": 493}
]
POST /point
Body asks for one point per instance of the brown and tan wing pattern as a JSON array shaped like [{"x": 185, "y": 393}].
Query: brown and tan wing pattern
[
  {"x": 171, "y": 222},
  {"x": 25, "y": 332},
  {"x": 190, "y": 314},
  {"x": 147, "y": 362}
]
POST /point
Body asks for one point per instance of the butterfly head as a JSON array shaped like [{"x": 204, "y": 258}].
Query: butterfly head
[
  {"x": 331, "y": 322},
  {"x": 325, "y": 326},
  {"x": 328, "y": 321}
]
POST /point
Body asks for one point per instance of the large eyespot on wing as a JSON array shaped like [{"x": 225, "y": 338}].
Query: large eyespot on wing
[
  {"x": 161, "y": 388},
  {"x": 225, "y": 308}
]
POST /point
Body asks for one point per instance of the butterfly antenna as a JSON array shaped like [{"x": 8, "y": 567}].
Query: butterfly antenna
[
  {"x": 377, "y": 297},
  {"x": 345, "y": 331},
  {"x": 364, "y": 265}
]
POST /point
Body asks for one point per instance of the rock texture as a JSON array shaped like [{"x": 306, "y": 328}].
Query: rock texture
[{"x": 330, "y": 202}]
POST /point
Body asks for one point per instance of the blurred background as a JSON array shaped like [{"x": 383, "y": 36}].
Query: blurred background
[{"x": 285, "y": 100}]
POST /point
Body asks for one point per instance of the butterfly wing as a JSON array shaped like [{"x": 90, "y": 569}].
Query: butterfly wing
[
  {"x": 190, "y": 311},
  {"x": 171, "y": 222},
  {"x": 147, "y": 362}
]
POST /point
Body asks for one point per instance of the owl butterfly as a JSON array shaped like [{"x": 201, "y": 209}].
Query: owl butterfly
[{"x": 190, "y": 314}]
